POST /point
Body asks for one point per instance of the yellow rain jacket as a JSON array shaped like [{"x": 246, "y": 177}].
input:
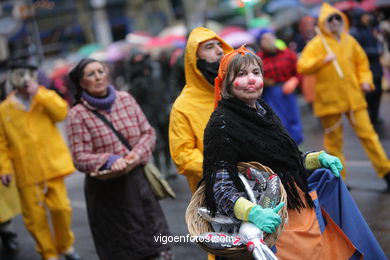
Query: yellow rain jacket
[
  {"x": 9, "y": 202},
  {"x": 335, "y": 95},
  {"x": 191, "y": 111},
  {"x": 31, "y": 146}
]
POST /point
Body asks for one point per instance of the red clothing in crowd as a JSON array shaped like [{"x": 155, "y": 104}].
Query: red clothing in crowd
[{"x": 279, "y": 66}]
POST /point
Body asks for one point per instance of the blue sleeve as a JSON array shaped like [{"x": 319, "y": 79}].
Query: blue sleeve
[{"x": 225, "y": 193}]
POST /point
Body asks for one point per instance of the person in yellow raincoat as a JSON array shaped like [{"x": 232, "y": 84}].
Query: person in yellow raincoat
[
  {"x": 9, "y": 208},
  {"x": 192, "y": 109},
  {"x": 342, "y": 92},
  {"x": 33, "y": 149}
]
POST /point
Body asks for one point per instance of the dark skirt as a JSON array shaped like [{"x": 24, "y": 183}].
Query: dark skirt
[{"x": 125, "y": 217}]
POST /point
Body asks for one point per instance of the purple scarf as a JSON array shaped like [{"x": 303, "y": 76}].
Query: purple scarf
[{"x": 101, "y": 103}]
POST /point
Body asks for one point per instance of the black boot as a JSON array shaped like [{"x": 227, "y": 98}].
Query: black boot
[
  {"x": 10, "y": 243},
  {"x": 387, "y": 179},
  {"x": 72, "y": 255}
]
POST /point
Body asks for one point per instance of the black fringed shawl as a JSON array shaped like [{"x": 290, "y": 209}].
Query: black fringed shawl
[{"x": 236, "y": 133}]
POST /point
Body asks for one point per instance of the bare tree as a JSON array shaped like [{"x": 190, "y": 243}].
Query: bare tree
[{"x": 85, "y": 20}]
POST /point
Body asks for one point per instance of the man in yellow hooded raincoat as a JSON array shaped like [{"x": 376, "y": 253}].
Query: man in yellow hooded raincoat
[
  {"x": 192, "y": 109},
  {"x": 33, "y": 149},
  {"x": 342, "y": 92}
]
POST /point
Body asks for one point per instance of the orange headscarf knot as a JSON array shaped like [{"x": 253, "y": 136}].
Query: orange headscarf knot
[{"x": 223, "y": 66}]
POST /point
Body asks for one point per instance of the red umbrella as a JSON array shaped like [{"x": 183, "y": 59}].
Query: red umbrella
[
  {"x": 230, "y": 29},
  {"x": 60, "y": 71},
  {"x": 310, "y": 2},
  {"x": 166, "y": 41},
  {"x": 346, "y": 5},
  {"x": 368, "y": 5}
]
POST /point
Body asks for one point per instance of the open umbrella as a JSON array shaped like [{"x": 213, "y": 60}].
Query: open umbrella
[
  {"x": 287, "y": 17},
  {"x": 346, "y": 5},
  {"x": 138, "y": 38},
  {"x": 382, "y": 3},
  {"x": 88, "y": 49},
  {"x": 370, "y": 5},
  {"x": 165, "y": 41},
  {"x": 176, "y": 30},
  {"x": 236, "y": 39},
  {"x": 100, "y": 55},
  {"x": 214, "y": 26},
  {"x": 230, "y": 29},
  {"x": 277, "y": 5},
  {"x": 117, "y": 51},
  {"x": 257, "y": 22}
]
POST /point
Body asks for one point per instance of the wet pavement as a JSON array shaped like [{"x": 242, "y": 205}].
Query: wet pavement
[{"x": 366, "y": 189}]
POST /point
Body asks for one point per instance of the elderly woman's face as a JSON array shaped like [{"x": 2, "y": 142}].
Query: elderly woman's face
[
  {"x": 95, "y": 79},
  {"x": 248, "y": 85}
]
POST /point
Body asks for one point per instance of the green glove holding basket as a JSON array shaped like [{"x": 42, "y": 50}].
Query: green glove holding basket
[{"x": 265, "y": 219}]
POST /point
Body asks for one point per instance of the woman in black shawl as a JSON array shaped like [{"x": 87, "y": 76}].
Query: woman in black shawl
[{"x": 244, "y": 128}]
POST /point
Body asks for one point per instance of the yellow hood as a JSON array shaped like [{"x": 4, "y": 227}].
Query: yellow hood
[
  {"x": 326, "y": 11},
  {"x": 194, "y": 76}
]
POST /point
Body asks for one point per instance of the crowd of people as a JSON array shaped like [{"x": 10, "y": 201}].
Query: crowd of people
[{"x": 210, "y": 109}]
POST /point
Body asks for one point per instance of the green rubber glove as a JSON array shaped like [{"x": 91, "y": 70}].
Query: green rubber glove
[
  {"x": 331, "y": 162},
  {"x": 265, "y": 219}
]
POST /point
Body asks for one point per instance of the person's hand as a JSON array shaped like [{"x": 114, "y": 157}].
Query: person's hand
[
  {"x": 265, "y": 219},
  {"x": 290, "y": 85},
  {"x": 6, "y": 179},
  {"x": 365, "y": 87},
  {"x": 329, "y": 57},
  {"x": 132, "y": 160},
  {"x": 119, "y": 166},
  {"x": 269, "y": 82},
  {"x": 32, "y": 87},
  {"x": 331, "y": 162}
]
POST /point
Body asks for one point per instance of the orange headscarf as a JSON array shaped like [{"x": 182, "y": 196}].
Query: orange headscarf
[{"x": 223, "y": 66}]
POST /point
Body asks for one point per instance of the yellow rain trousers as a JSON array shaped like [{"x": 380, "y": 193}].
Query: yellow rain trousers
[
  {"x": 36, "y": 201},
  {"x": 333, "y": 140},
  {"x": 335, "y": 96},
  {"x": 32, "y": 148},
  {"x": 9, "y": 202},
  {"x": 191, "y": 112}
]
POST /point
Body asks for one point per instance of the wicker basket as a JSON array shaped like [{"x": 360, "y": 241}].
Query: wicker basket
[
  {"x": 197, "y": 225},
  {"x": 107, "y": 175}
]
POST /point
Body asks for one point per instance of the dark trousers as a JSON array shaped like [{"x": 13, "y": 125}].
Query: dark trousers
[{"x": 373, "y": 100}]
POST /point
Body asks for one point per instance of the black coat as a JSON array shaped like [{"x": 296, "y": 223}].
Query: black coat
[
  {"x": 124, "y": 216},
  {"x": 371, "y": 46}
]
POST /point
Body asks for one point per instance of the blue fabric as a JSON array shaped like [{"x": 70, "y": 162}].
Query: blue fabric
[
  {"x": 287, "y": 109},
  {"x": 336, "y": 200},
  {"x": 110, "y": 161},
  {"x": 320, "y": 217},
  {"x": 264, "y": 31}
]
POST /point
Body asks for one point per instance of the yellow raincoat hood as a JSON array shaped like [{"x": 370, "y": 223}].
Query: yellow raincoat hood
[
  {"x": 194, "y": 77},
  {"x": 326, "y": 11},
  {"x": 191, "y": 111},
  {"x": 335, "y": 94}
]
